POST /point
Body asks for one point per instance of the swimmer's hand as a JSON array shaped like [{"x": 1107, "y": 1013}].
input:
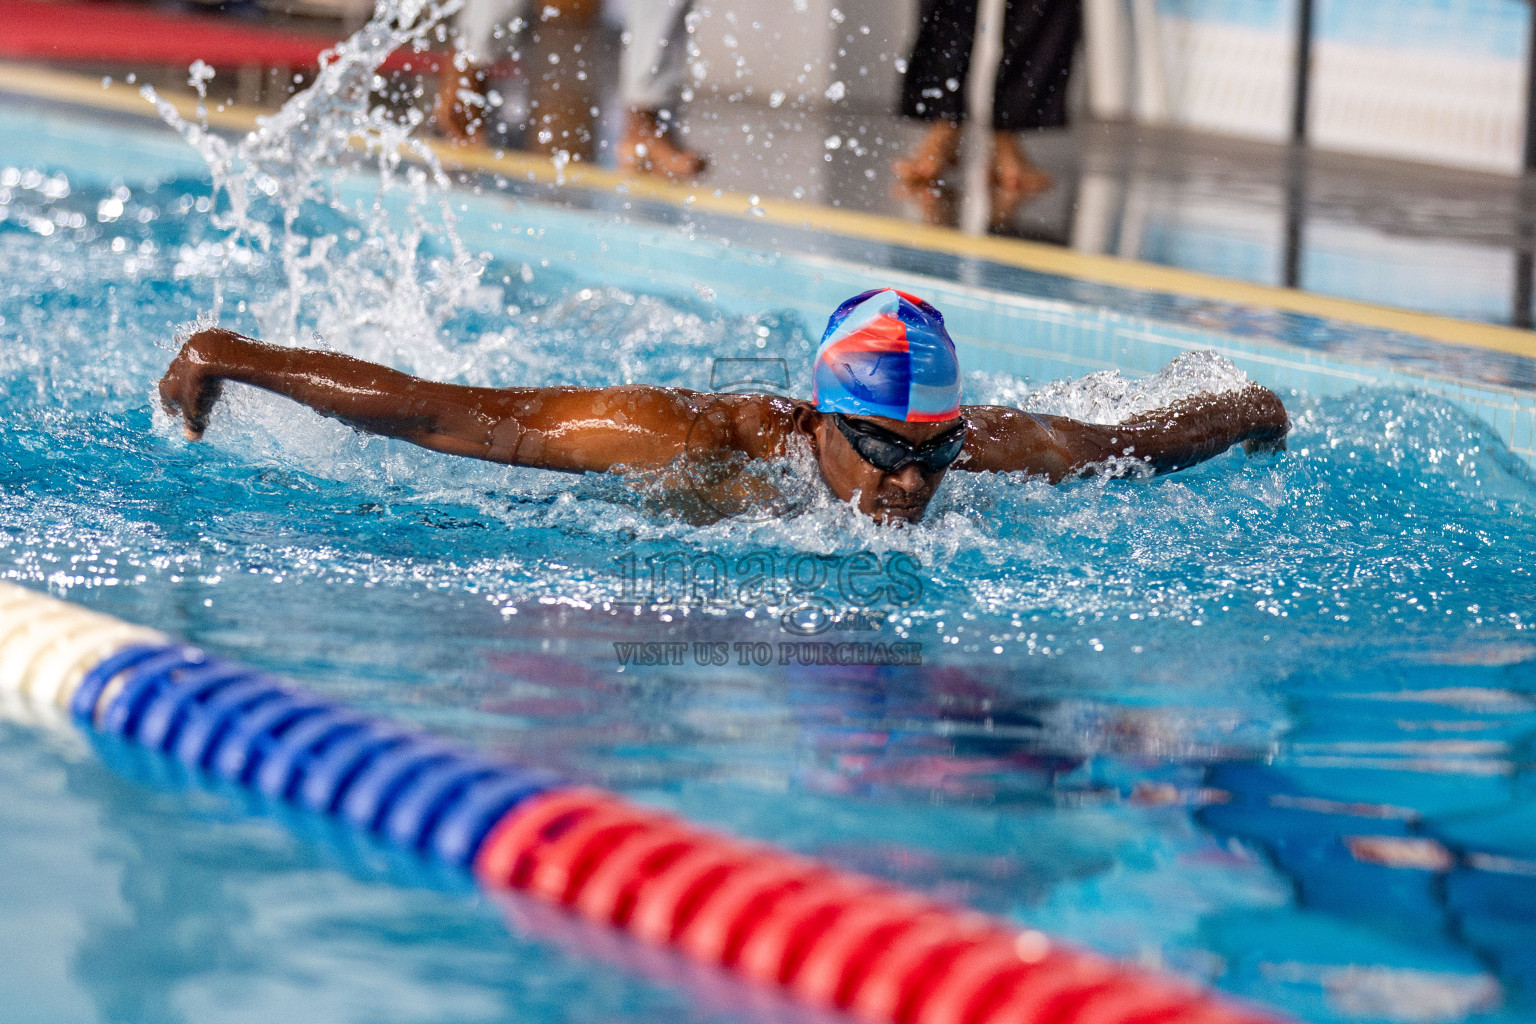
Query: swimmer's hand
[{"x": 192, "y": 384}]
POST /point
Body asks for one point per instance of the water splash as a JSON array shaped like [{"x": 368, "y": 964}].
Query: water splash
[
  {"x": 380, "y": 269},
  {"x": 1107, "y": 397}
]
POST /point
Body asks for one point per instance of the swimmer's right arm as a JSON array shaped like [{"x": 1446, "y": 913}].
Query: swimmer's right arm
[
  {"x": 571, "y": 429},
  {"x": 1164, "y": 440}
]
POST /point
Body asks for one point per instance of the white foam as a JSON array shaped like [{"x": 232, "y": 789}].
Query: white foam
[
  {"x": 1109, "y": 397},
  {"x": 370, "y": 273}
]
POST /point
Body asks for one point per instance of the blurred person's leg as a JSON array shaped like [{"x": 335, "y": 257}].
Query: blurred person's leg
[
  {"x": 652, "y": 73},
  {"x": 1040, "y": 38},
  {"x": 933, "y": 88},
  {"x": 556, "y": 52},
  {"x": 481, "y": 29}
]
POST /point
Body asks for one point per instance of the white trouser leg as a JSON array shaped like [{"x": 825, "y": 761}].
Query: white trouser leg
[
  {"x": 477, "y": 24},
  {"x": 655, "y": 61}
]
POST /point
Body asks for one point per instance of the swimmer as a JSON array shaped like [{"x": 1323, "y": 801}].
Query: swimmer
[{"x": 884, "y": 421}]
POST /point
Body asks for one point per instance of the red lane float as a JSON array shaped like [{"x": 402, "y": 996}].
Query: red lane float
[{"x": 829, "y": 937}]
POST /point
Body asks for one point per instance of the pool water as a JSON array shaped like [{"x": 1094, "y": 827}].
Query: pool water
[{"x": 1264, "y": 722}]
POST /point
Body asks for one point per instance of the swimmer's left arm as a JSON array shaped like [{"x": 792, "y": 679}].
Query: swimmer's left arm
[{"x": 1167, "y": 439}]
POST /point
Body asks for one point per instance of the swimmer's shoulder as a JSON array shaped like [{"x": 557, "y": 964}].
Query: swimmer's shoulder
[
  {"x": 763, "y": 424},
  {"x": 1004, "y": 439}
]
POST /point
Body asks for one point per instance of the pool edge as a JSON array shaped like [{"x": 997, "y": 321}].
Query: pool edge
[{"x": 122, "y": 98}]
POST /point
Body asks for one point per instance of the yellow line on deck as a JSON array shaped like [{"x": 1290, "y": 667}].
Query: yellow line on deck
[{"x": 1046, "y": 259}]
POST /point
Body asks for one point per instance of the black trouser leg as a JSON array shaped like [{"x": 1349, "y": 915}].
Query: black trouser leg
[
  {"x": 1039, "y": 40},
  {"x": 934, "y": 85}
]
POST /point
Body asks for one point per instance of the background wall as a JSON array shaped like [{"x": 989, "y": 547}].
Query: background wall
[
  {"x": 1436, "y": 80},
  {"x": 1441, "y": 81}
]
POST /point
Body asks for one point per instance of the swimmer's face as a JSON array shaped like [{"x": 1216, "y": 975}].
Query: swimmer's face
[{"x": 902, "y": 495}]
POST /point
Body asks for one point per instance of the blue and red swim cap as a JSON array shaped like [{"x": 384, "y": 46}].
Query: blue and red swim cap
[{"x": 886, "y": 353}]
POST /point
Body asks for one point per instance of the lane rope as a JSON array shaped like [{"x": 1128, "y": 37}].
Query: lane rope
[{"x": 829, "y": 937}]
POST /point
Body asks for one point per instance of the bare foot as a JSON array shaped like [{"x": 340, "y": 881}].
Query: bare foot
[
  {"x": 1012, "y": 172},
  {"x": 938, "y": 205},
  {"x": 461, "y": 105},
  {"x": 931, "y": 159},
  {"x": 1004, "y": 205},
  {"x": 647, "y": 148}
]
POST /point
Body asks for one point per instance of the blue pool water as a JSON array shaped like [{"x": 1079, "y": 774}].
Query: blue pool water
[{"x": 1189, "y": 720}]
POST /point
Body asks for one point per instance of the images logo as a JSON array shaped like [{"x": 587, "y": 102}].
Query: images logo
[{"x": 811, "y": 588}]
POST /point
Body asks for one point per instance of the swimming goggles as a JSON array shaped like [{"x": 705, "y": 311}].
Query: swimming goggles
[{"x": 890, "y": 452}]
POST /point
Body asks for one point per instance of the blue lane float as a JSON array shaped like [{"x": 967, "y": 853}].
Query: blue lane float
[{"x": 408, "y": 788}]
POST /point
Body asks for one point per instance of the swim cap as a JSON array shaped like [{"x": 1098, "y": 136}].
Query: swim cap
[{"x": 886, "y": 353}]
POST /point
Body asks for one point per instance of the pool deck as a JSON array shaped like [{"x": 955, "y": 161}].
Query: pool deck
[{"x": 835, "y": 216}]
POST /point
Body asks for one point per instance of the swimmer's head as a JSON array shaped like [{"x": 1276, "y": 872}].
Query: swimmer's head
[
  {"x": 886, "y": 353},
  {"x": 886, "y": 392}
]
